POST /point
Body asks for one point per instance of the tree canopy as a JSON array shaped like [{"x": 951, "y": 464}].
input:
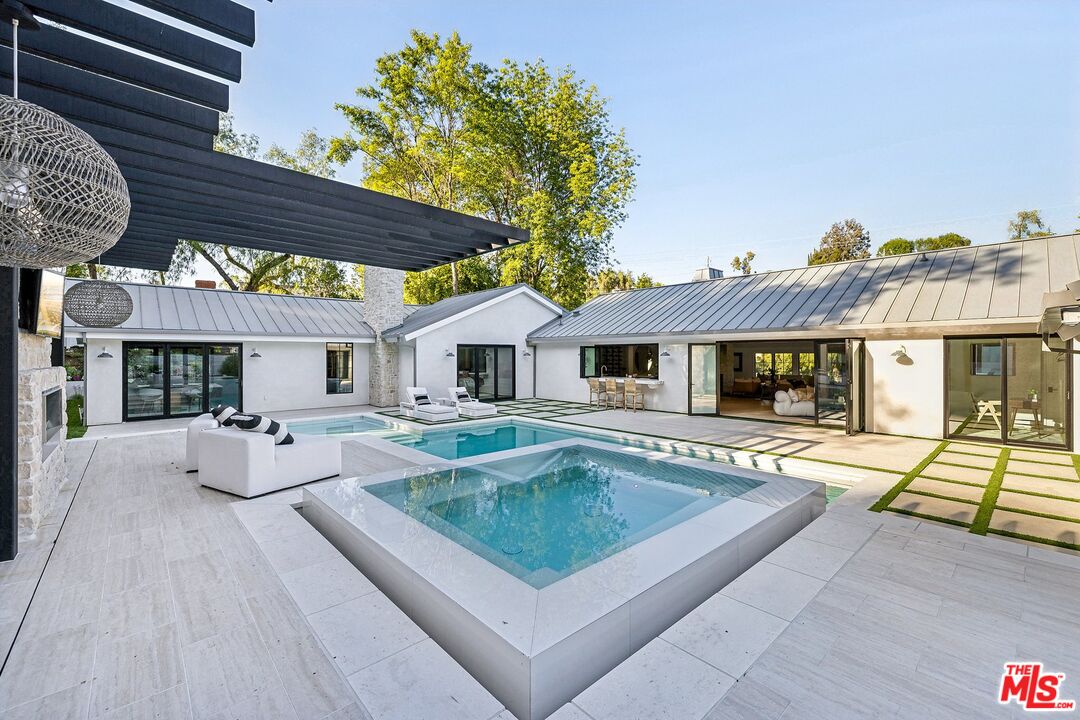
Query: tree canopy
[
  {"x": 741, "y": 265},
  {"x": 1028, "y": 224},
  {"x": 899, "y": 246},
  {"x": 610, "y": 279},
  {"x": 523, "y": 145},
  {"x": 847, "y": 240}
]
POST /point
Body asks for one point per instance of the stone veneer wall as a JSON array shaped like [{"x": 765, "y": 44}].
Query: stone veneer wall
[
  {"x": 39, "y": 482},
  {"x": 384, "y": 307}
]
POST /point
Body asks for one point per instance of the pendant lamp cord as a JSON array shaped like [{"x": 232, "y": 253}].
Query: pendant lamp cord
[{"x": 15, "y": 57}]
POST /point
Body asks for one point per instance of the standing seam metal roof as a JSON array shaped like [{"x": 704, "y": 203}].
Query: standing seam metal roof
[
  {"x": 425, "y": 315},
  {"x": 979, "y": 282},
  {"x": 167, "y": 309}
]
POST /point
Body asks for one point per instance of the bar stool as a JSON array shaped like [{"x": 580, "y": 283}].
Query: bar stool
[
  {"x": 632, "y": 395},
  {"x": 596, "y": 391},
  {"x": 612, "y": 393}
]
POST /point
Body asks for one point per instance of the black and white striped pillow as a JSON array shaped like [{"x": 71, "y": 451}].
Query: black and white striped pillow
[
  {"x": 260, "y": 424},
  {"x": 463, "y": 397},
  {"x": 222, "y": 413},
  {"x": 421, "y": 400}
]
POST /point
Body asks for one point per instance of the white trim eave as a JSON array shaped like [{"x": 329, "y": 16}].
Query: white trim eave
[
  {"x": 524, "y": 289},
  {"x": 167, "y": 335},
  {"x": 884, "y": 330}
]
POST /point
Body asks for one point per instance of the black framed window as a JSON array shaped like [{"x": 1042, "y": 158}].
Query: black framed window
[
  {"x": 163, "y": 379},
  {"x": 339, "y": 368},
  {"x": 642, "y": 361}
]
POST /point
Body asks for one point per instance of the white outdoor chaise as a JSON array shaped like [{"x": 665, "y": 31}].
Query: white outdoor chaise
[
  {"x": 468, "y": 407},
  {"x": 249, "y": 463},
  {"x": 419, "y": 406}
]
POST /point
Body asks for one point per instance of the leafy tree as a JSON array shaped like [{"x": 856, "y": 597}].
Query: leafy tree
[
  {"x": 521, "y": 146},
  {"x": 415, "y": 138},
  {"x": 941, "y": 242},
  {"x": 433, "y": 285},
  {"x": 229, "y": 140},
  {"x": 311, "y": 155},
  {"x": 95, "y": 271},
  {"x": 741, "y": 265},
  {"x": 610, "y": 279},
  {"x": 847, "y": 240},
  {"x": 555, "y": 165},
  {"x": 1028, "y": 224},
  {"x": 896, "y": 246},
  {"x": 899, "y": 246}
]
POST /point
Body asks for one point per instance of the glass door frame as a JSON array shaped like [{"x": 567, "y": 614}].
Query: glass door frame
[
  {"x": 854, "y": 387},
  {"x": 690, "y": 378},
  {"x": 1004, "y": 389},
  {"x": 166, "y": 389},
  {"x": 477, "y": 348}
]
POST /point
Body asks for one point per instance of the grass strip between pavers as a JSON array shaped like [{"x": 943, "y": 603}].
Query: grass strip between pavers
[
  {"x": 954, "y": 482},
  {"x": 1041, "y": 477},
  {"x": 887, "y": 499},
  {"x": 1076, "y": 465},
  {"x": 1036, "y": 493},
  {"x": 981, "y": 523},
  {"x": 1034, "y": 538}
]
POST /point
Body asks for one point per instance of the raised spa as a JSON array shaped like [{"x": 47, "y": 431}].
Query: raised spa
[{"x": 543, "y": 569}]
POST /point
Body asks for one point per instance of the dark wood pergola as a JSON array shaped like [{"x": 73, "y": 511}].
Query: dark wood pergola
[{"x": 158, "y": 121}]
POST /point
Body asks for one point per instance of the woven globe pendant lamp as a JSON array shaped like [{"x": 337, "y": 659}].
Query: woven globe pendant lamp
[
  {"x": 62, "y": 197},
  {"x": 96, "y": 303}
]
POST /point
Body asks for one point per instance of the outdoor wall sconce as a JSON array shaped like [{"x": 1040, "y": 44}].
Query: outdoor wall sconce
[
  {"x": 105, "y": 354},
  {"x": 902, "y": 357},
  {"x": 448, "y": 353},
  {"x": 665, "y": 354},
  {"x": 254, "y": 353},
  {"x": 526, "y": 353}
]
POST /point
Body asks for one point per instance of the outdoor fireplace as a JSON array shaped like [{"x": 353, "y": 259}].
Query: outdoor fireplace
[{"x": 52, "y": 419}]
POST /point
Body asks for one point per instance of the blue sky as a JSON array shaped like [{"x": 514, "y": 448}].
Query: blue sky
[{"x": 757, "y": 124}]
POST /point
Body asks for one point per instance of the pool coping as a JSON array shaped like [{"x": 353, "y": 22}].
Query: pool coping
[{"x": 536, "y": 649}]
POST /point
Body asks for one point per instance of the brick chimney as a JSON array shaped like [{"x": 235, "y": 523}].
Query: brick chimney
[
  {"x": 206, "y": 284},
  {"x": 384, "y": 308}
]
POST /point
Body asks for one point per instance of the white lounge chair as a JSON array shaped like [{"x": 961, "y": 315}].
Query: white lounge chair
[
  {"x": 420, "y": 406},
  {"x": 468, "y": 407}
]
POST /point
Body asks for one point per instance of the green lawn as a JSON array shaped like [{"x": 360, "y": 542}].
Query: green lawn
[{"x": 75, "y": 428}]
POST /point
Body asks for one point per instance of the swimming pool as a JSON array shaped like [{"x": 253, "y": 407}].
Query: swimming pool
[{"x": 543, "y": 521}]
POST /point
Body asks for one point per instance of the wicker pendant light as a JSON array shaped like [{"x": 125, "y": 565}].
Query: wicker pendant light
[
  {"x": 96, "y": 303},
  {"x": 62, "y": 197}
]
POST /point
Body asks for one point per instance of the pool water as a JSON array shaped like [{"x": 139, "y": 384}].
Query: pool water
[
  {"x": 545, "y": 517},
  {"x": 348, "y": 425},
  {"x": 456, "y": 443}
]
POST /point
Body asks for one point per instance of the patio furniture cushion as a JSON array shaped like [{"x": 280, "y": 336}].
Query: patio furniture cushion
[
  {"x": 261, "y": 424},
  {"x": 222, "y": 413},
  {"x": 785, "y": 407},
  {"x": 419, "y": 406},
  {"x": 250, "y": 464},
  {"x": 469, "y": 407}
]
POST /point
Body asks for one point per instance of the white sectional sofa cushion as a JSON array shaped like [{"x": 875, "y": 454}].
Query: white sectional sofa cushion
[
  {"x": 205, "y": 421},
  {"x": 249, "y": 464},
  {"x": 785, "y": 407}
]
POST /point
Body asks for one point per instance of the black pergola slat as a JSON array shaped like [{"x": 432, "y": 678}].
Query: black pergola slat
[
  {"x": 221, "y": 17},
  {"x": 275, "y": 181},
  {"x": 285, "y": 232},
  {"x": 76, "y": 51},
  {"x": 74, "y": 107},
  {"x": 140, "y": 32}
]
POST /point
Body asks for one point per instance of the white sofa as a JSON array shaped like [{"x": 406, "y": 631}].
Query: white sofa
[
  {"x": 785, "y": 406},
  {"x": 249, "y": 463},
  {"x": 205, "y": 421}
]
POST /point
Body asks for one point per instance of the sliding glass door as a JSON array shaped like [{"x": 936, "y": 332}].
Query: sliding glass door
[
  {"x": 1007, "y": 390},
  {"x": 179, "y": 379},
  {"x": 486, "y": 371},
  {"x": 704, "y": 399},
  {"x": 838, "y": 383}
]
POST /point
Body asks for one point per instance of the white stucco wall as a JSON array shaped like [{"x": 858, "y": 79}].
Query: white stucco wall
[
  {"x": 558, "y": 373},
  {"x": 507, "y": 322},
  {"x": 288, "y": 376},
  {"x": 905, "y": 396}
]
